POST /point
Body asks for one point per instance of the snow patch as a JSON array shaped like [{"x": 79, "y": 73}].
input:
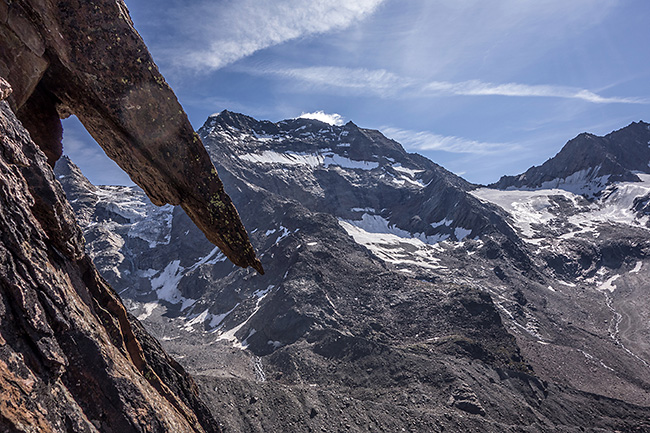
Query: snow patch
[
  {"x": 394, "y": 249},
  {"x": 529, "y": 208},
  {"x": 409, "y": 171},
  {"x": 230, "y": 334},
  {"x": 461, "y": 233},
  {"x": 377, "y": 224},
  {"x": 289, "y": 158},
  {"x": 244, "y": 344},
  {"x": 199, "y": 319},
  {"x": 444, "y": 222},
  {"x": 148, "y": 273},
  {"x": 313, "y": 160},
  {"x": 166, "y": 285},
  {"x": 217, "y": 319},
  {"x": 261, "y": 294},
  {"x": 148, "y": 310},
  {"x": 285, "y": 232},
  {"x": 609, "y": 284},
  {"x": 583, "y": 182}
]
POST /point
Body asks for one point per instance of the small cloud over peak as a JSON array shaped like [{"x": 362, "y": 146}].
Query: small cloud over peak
[{"x": 332, "y": 119}]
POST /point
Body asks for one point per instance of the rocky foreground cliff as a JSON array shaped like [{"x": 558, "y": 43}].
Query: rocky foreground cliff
[
  {"x": 71, "y": 358},
  {"x": 73, "y": 57}
]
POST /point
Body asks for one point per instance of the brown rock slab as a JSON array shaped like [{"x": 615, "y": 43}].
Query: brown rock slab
[
  {"x": 86, "y": 58},
  {"x": 70, "y": 359}
]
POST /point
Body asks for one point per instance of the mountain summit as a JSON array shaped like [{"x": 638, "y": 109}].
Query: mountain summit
[
  {"x": 353, "y": 173},
  {"x": 590, "y": 160}
]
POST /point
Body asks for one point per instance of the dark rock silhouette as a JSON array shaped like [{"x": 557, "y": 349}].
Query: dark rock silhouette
[{"x": 85, "y": 58}]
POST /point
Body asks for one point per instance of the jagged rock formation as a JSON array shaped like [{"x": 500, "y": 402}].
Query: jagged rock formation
[
  {"x": 370, "y": 318},
  {"x": 70, "y": 359},
  {"x": 85, "y": 58},
  {"x": 583, "y": 216}
]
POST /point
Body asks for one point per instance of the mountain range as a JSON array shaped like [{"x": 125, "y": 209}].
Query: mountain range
[{"x": 396, "y": 296}]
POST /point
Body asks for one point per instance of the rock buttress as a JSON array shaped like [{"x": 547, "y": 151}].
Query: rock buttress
[
  {"x": 86, "y": 58},
  {"x": 69, "y": 358}
]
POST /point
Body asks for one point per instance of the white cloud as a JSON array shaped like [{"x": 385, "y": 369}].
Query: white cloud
[
  {"x": 424, "y": 141},
  {"x": 223, "y": 32},
  {"x": 365, "y": 81},
  {"x": 332, "y": 119},
  {"x": 479, "y": 88},
  {"x": 385, "y": 84}
]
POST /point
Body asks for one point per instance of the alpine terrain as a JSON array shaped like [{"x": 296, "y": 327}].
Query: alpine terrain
[{"x": 396, "y": 296}]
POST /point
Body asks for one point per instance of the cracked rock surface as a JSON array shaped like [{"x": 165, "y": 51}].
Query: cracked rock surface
[{"x": 70, "y": 359}]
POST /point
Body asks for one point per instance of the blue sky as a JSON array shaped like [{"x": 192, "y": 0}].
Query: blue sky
[{"x": 482, "y": 88}]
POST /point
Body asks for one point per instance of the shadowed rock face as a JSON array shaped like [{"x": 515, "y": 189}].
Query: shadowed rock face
[
  {"x": 70, "y": 357},
  {"x": 85, "y": 58}
]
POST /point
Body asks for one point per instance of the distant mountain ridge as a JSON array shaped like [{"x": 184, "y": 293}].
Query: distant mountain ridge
[
  {"x": 589, "y": 158},
  {"x": 395, "y": 293}
]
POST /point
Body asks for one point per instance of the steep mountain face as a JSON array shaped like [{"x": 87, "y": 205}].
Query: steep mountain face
[
  {"x": 352, "y": 173},
  {"x": 588, "y": 163},
  {"x": 396, "y": 295},
  {"x": 588, "y": 229},
  {"x": 70, "y": 358}
]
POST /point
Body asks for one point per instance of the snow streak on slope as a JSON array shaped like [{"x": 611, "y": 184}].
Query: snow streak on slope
[
  {"x": 146, "y": 221},
  {"x": 379, "y": 225},
  {"x": 395, "y": 249},
  {"x": 584, "y": 182},
  {"x": 308, "y": 159},
  {"x": 400, "y": 247},
  {"x": 165, "y": 285},
  {"x": 534, "y": 211}
]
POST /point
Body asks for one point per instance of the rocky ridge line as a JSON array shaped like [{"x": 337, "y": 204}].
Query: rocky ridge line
[{"x": 617, "y": 156}]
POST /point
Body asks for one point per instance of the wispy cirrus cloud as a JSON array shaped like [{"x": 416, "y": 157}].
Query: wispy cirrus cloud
[
  {"x": 480, "y": 88},
  {"x": 377, "y": 82},
  {"x": 215, "y": 34},
  {"x": 426, "y": 141},
  {"x": 385, "y": 84}
]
